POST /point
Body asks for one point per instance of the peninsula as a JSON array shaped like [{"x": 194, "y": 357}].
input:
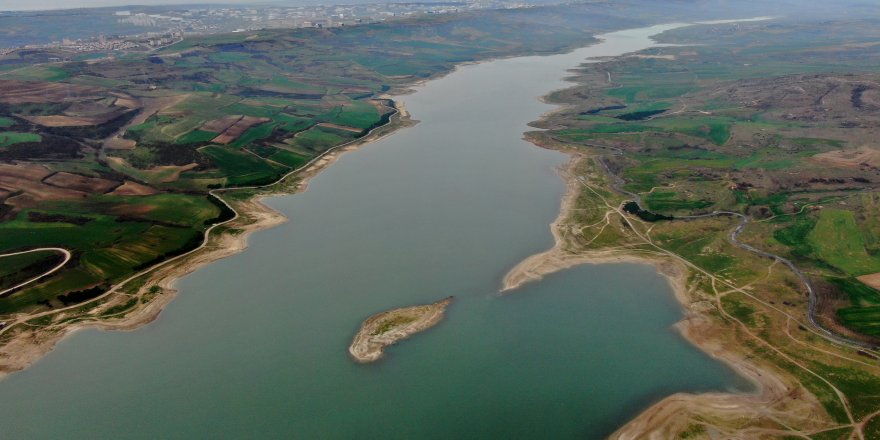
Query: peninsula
[{"x": 389, "y": 327}]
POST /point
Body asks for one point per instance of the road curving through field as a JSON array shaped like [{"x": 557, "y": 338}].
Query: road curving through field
[{"x": 65, "y": 252}]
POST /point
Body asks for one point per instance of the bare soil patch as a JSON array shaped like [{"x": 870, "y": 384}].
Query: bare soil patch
[
  {"x": 81, "y": 183},
  {"x": 61, "y": 121},
  {"x": 127, "y": 210},
  {"x": 26, "y": 179},
  {"x": 27, "y": 171},
  {"x": 872, "y": 280},
  {"x": 238, "y": 128},
  {"x": 220, "y": 125},
  {"x": 340, "y": 127},
  {"x": 23, "y": 92},
  {"x": 173, "y": 171},
  {"x": 130, "y": 188},
  {"x": 850, "y": 158},
  {"x": 123, "y": 100},
  {"x": 118, "y": 143}
]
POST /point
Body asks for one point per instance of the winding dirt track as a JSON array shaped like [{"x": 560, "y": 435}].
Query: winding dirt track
[
  {"x": 636, "y": 428},
  {"x": 58, "y": 267},
  {"x": 617, "y": 185}
]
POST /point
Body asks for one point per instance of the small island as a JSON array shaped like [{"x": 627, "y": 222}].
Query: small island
[{"x": 386, "y": 328}]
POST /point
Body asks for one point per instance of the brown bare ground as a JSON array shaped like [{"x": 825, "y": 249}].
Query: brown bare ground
[
  {"x": 130, "y": 188},
  {"x": 872, "y": 280},
  {"x": 81, "y": 183},
  {"x": 775, "y": 393},
  {"x": 128, "y": 210},
  {"x": 850, "y": 158},
  {"x": 220, "y": 125},
  {"x": 27, "y": 171},
  {"x": 34, "y": 191},
  {"x": 73, "y": 121},
  {"x": 22, "y": 92},
  {"x": 223, "y": 139},
  {"x": 157, "y": 105},
  {"x": 127, "y": 101},
  {"x": 87, "y": 109},
  {"x": 235, "y": 130},
  {"x": 118, "y": 143},
  {"x": 175, "y": 171},
  {"x": 340, "y": 127},
  {"x": 27, "y": 178}
]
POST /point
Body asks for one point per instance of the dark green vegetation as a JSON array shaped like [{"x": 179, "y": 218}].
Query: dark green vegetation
[
  {"x": 8, "y": 138},
  {"x": 18, "y": 268},
  {"x": 648, "y": 216}
]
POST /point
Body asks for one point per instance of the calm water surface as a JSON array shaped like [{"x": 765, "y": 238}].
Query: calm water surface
[{"x": 255, "y": 345}]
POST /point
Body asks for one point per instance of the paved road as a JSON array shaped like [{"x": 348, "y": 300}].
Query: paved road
[{"x": 63, "y": 251}]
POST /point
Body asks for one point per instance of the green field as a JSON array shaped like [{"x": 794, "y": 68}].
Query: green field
[
  {"x": 289, "y": 158},
  {"x": 196, "y": 136},
  {"x": 242, "y": 169},
  {"x": 837, "y": 239},
  {"x": 357, "y": 115},
  {"x": 319, "y": 139},
  {"x": 18, "y": 268},
  {"x": 710, "y": 127},
  {"x": 254, "y": 134},
  {"x": 8, "y": 138},
  {"x": 670, "y": 201}
]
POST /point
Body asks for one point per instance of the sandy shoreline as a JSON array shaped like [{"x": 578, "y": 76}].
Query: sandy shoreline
[{"x": 669, "y": 416}]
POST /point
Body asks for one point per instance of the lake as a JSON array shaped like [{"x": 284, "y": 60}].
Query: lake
[{"x": 255, "y": 346}]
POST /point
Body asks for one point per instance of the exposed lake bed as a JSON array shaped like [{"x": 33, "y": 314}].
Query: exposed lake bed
[{"x": 255, "y": 343}]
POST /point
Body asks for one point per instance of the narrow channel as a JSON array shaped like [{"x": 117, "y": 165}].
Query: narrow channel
[{"x": 255, "y": 346}]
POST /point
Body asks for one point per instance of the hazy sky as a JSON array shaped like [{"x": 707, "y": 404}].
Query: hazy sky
[{"x": 20, "y": 5}]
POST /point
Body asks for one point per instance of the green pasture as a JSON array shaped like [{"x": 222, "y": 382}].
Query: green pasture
[
  {"x": 8, "y": 138},
  {"x": 319, "y": 139},
  {"x": 241, "y": 168},
  {"x": 837, "y": 239}
]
